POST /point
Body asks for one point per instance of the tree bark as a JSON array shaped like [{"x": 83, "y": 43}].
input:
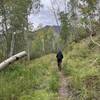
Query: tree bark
[
  {"x": 12, "y": 45},
  {"x": 12, "y": 59}
]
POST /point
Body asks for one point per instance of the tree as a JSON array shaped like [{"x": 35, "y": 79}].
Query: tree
[
  {"x": 88, "y": 13},
  {"x": 65, "y": 26},
  {"x": 55, "y": 12},
  {"x": 14, "y": 16}
]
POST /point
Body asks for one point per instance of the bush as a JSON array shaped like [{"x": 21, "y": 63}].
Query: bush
[
  {"x": 26, "y": 81},
  {"x": 84, "y": 73}
]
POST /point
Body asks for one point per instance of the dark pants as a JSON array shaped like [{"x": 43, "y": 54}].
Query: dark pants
[{"x": 59, "y": 64}]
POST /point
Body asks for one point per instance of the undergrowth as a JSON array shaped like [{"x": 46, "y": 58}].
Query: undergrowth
[
  {"x": 34, "y": 81},
  {"x": 82, "y": 65}
]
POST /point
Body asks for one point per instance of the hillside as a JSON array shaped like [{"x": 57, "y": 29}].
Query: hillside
[
  {"x": 49, "y": 49},
  {"x": 30, "y": 81},
  {"x": 82, "y": 66},
  {"x": 40, "y": 79},
  {"x": 55, "y": 28}
]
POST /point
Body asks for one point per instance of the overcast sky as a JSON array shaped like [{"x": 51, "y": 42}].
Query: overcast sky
[{"x": 45, "y": 16}]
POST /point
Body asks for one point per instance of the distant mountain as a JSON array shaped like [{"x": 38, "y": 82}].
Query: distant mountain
[{"x": 55, "y": 28}]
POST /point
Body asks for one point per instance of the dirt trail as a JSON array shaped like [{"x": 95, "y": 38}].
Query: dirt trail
[
  {"x": 64, "y": 82},
  {"x": 63, "y": 90}
]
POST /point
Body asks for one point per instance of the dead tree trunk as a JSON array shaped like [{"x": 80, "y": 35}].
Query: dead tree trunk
[{"x": 12, "y": 59}]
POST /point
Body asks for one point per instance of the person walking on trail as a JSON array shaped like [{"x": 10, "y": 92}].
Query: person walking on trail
[{"x": 59, "y": 59}]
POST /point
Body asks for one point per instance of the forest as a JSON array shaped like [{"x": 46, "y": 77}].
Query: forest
[{"x": 28, "y": 61}]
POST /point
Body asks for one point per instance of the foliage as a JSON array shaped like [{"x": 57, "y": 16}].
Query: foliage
[
  {"x": 23, "y": 81},
  {"x": 83, "y": 70},
  {"x": 38, "y": 95},
  {"x": 38, "y": 79},
  {"x": 45, "y": 41},
  {"x": 14, "y": 22},
  {"x": 81, "y": 14},
  {"x": 65, "y": 27}
]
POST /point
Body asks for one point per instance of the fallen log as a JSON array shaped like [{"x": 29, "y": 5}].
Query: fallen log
[{"x": 12, "y": 59}]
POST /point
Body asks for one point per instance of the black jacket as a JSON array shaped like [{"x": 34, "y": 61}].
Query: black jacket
[{"x": 59, "y": 55}]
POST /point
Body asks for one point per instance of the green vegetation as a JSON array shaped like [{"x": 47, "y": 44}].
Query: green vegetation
[
  {"x": 33, "y": 81},
  {"x": 44, "y": 41},
  {"x": 82, "y": 65},
  {"x": 38, "y": 78}
]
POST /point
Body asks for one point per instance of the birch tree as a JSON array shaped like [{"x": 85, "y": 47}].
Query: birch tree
[{"x": 14, "y": 16}]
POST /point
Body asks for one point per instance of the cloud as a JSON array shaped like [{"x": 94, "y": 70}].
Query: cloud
[{"x": 45, "y": 16}]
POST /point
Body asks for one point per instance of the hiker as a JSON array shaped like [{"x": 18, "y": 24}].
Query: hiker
[{"x": 59, "y": 59}]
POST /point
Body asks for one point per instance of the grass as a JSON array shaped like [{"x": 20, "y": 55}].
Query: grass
[
  {"x": 39, "y": 79},
  {"x": 82, "y": 65},
  {"x": 34, "y": 81}
]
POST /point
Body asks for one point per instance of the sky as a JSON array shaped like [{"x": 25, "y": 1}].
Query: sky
[{"x": 45, "y": 16}]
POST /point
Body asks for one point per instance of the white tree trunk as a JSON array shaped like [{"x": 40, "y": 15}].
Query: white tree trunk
[
  {"x": 27, "y": 45},
  {"x": 53, "y": 45},
  {"x": 12, "y": 59},
  {"x": 12, "y": 45},
  {"x": 43, "y": 47}
]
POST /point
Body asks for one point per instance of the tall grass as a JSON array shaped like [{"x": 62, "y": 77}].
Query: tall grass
[
  {"x": 28, "y": 82},
  {"x": 83, "y": 70}
]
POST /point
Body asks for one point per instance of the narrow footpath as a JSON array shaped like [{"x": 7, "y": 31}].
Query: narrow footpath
[{"x": 63, "y": 90}]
